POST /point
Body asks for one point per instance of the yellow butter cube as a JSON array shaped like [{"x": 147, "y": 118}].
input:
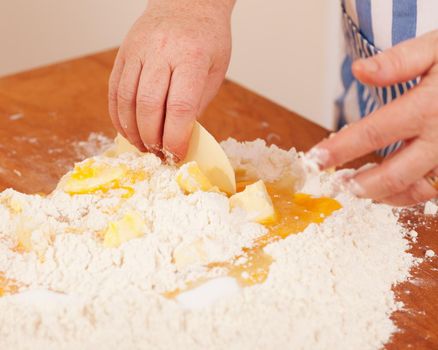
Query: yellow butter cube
[
  {"x": 188, "y": 254},
  {"x": 24, "y": 240},
  {"x": 129, "y": 227},
  {"x": 15, "y": 205},
  {"x": 255, "y": 200},
  {"x": 190, "y": 179},
  {"x": 33, "y": 237},
  {"x": 121, "y": 145},
  {"x": 11, "y": 202}
]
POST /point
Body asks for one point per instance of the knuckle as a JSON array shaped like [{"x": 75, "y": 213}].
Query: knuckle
[
  {"x": 159, "y": 37},
  {"x": 393, "y": 183},
  {"x": 434, "y": 38},
  {"x": 201, "y": 61},
  {"x": 125, "y": 95},
  {"x": 198, "y": 52},
  {"x": 148, "y": 102},
  {"x": 112, "y": 82},
  {"x": 114, "y": 77},
  {"x": 396, "y": 60},
  {"x": 181, "y": 108},
  {"x": 373, "y": 136},
  {"x": 195, "y": 54},
  {"x": 430, "y": 154},
  {"x": 112, "y": 95},
  {"x": 421, "y": 100}
]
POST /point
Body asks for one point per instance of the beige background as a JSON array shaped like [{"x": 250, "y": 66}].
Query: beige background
[{"x": 286, "y": 50}]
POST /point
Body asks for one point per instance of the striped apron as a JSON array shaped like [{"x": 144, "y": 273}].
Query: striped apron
[{"x": 371, "y": 26}]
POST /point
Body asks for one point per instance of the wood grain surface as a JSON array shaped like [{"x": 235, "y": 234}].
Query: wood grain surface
[{"x": 44, "y": 113}]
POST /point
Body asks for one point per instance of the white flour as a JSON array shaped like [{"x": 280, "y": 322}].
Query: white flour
[
  {"x": 328, "y": 288},
  {"x": 430, "y": 208},
  {"x": 95, "y": 144}
]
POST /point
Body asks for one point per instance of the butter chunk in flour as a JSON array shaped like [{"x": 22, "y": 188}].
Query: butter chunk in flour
[{"x": 101, "y": 257}]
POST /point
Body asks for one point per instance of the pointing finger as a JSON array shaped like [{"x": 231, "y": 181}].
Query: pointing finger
[
  {"x": 126, "y": 102},
  {"x": 401, "y": 119},
  {"x": 113, "y": 85}
]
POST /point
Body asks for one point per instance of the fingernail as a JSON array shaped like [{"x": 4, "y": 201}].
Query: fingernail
[
  {"x": 370, "y": 65},
  {"x": 316, "y": 158},
  {"x": 367, "y": 166},
  {"x": 354, "y": 187}
]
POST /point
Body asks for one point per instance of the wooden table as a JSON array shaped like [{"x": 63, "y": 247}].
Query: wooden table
[{"x": 45, "y": 112}]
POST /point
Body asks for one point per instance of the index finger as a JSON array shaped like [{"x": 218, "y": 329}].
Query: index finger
[
  {"x": 398, "y": 120},
  {"x": 113, "y": 85}
]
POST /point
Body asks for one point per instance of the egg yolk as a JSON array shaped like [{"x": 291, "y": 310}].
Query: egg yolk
[{"x": 294, "y": 212}]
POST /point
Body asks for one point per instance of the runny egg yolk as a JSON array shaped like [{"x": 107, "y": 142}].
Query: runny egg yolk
[{"x": 294, "y": 212}]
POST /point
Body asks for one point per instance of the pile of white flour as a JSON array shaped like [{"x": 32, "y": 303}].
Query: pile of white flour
[{"x": 328, "y": 288}]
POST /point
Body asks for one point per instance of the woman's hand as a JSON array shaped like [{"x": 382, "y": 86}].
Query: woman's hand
[
  {"x": 169, "y": 67},
  {"x": 400, "y": 179}
]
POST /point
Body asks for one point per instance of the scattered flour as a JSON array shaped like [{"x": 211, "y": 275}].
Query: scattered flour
[
  {"x": 329, "y": 286},
  {"x": 95, "y": 144},
  {"x": 414, "y": 235},
  {"x": 430, "y": 208},
  {"x": 27, "y": 139},
  {"x": 429, "y": 253},
  {"x": 16, "y": 116}
]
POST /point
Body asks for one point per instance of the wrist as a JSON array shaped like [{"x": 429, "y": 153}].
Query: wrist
[{"x": 223, "y": 6}]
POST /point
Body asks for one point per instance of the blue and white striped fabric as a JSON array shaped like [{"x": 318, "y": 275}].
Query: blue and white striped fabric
[{"x": 369, "y": 27}]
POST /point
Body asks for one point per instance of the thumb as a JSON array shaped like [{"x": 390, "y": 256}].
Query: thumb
[{"x": 400, "y": 63}]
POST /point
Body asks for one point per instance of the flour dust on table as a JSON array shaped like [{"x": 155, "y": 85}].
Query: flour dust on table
[{"x": 131, "y": 253}]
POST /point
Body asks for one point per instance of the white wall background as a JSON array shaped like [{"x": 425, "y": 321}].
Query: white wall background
[{"x": 285, "y": 50}]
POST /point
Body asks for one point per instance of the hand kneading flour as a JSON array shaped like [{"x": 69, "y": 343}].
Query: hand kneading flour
[{"x": 100, "y": 263}]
